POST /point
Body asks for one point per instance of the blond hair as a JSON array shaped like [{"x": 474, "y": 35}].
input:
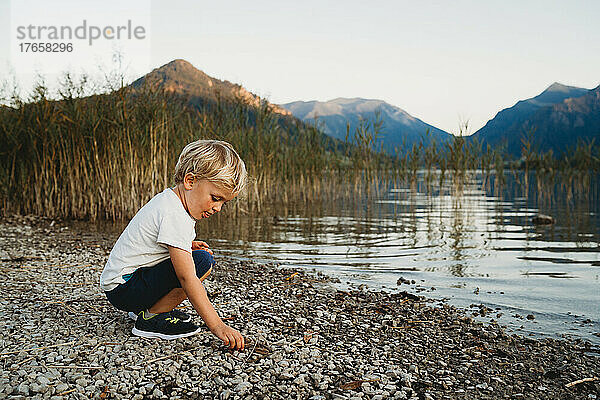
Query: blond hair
[{"x": 215, "y": 161}]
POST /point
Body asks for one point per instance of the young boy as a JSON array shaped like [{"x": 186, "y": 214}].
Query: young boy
[{"x": 156, "y": 264}]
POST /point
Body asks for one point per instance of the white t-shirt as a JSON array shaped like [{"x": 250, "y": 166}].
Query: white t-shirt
[{"x": 162, "y": 221}]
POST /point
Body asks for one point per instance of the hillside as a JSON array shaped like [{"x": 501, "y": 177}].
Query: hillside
[
  {"x": 181, "y": 77},
  {"x": 561, "y": 126},
  {"x": 511, "y": 124},
  {"x": 399, "y": 127},
  {"x": 202, "y": 91}
]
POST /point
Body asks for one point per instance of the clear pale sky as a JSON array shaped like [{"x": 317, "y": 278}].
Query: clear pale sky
[{"x": 442, "y": 62}]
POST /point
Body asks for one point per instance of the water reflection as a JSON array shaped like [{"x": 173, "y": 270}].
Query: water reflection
[
  {"x": 461, "y": 238},
  {"x": 472, "y": 243}
]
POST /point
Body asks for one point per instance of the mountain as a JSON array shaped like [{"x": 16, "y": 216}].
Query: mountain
[
  {"x": 510, "y": 125},
  {"x": 202, "y": 91},
  {"x": 399, "y": 127},
  {"x": 181, "y": 77},
  {"x": 561, "y": 126}
]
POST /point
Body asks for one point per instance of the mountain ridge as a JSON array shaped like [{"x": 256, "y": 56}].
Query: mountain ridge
[
  {"x": 181, "y": 77},
  {"x": 512, "y": 124},
  {"x": 553, "y": 119},
  {"x": 399, "y": 127}
]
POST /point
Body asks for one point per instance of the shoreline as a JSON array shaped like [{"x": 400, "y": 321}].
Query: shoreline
[
  {"x": 514, "y": 320},
  {"x": 308, "y": 339}
]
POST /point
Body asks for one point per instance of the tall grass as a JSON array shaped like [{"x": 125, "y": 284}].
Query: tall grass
[{"x": 105, "y": 155}]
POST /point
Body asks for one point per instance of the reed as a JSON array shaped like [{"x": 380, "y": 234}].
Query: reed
[{"x": 103, "y": 156}]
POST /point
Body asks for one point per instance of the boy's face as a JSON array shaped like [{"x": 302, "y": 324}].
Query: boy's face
[{"x": 203, "y": 197}]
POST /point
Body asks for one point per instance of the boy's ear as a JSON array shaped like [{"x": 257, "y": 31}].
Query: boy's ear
[{"x": 188, "y": 181}]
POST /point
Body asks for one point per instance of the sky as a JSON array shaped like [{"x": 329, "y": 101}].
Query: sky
[{"x": 445, "y": 62}]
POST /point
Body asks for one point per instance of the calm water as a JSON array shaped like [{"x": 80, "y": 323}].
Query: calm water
[{"x": 472, "y": 245}]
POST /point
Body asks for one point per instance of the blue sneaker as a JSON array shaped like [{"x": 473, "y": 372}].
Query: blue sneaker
[{"x": 163, "y": 326}]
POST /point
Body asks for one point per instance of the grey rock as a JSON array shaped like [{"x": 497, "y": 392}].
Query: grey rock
[
  {"x": 337, "y": 396},
  {"x": 81, "y": 382},
  {"x": 37, "y": 388},
  {"x": 400, "y": 395},
  {"x": 42, "y": 380},
  {"x": 61, "y": 387},
  {"x": 243, "y": 387},
  {"x": 219, "y": 381},
  {"x": 390, "y": 388},
  {"x": 23, "y": 389},
  {"x": 225, "y": 394}
]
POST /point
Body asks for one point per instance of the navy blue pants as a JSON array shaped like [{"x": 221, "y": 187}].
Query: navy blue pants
[{"x": 146, "y": 286}]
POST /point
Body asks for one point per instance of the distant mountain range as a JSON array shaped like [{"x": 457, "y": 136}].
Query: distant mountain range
[
  {"x": 399, "y": 127},
  {"x": 554, "y": 120},
  {"x": 203, "y": 92}
]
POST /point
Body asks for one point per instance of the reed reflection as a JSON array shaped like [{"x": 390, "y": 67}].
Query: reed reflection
[{"x": 389, "y": 224}]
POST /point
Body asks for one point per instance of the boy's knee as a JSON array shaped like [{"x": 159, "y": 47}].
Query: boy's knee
[{"x": 204, "y": 261}]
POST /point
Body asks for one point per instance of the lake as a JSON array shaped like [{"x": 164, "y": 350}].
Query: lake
[{"x": 469, "y": 244}]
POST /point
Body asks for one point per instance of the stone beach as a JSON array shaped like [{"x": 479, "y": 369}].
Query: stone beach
[{"x": 306, "y": 338}]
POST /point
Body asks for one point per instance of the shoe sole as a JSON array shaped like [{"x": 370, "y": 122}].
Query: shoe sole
[
  {"x": 164, "y": 336},
  {"x": 134, "y": 317}
]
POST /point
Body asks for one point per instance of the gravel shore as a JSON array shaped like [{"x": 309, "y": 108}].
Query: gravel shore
[{"x": 308, "y": 340}]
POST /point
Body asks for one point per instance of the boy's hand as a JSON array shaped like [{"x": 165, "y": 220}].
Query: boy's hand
[
  {"x": 200, "y": 245},
  {"x": 229, "y": 336}
]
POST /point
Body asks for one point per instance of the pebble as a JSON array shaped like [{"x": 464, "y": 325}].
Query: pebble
[
  {"x": 309, "y": 338},
  {"x": 23, "y": 389}
]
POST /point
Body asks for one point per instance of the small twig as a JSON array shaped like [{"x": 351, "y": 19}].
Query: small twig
[
  {"x": 37, "y": 348},
  {"x": 169, "y": 356},
  {"x": 95, "y": 308},
  {"x": 76, "y": 266},
  {"x": 68, "y": 283},
  {"x": 356, "y": 384},
  {"x": 73, "y": 367},
  {"x": 66, "y": 392},
  {"x": 251, "y": 352},
  {"x": 23, "y": 362},
  {"x": 577, "y": 382},
  {"x": 291, "y": 276},
  {"x": 287, "y": 284},
  {"x": 423, "y": 321},
  {"x": 297, "y": 341},
  {"x": 64, "y": 304}
]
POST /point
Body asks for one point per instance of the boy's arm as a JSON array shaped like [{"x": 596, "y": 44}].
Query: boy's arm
[{"x": 191, "y": 284}]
